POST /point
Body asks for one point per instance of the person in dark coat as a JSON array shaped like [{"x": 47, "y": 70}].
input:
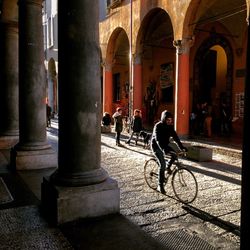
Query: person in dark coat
[
  {"x": 225, "y": 119},
  {"x": 162, "y": 132},
  {"x": 136, "y": 126},
  {"x": 118, "y": 124},
  {"x": 106, "y": 123},
  {"x": 106, "y": 119},
  {"x": 48, "y": 115}
]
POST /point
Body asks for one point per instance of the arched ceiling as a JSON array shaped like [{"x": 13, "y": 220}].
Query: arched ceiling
[
  {"x": 121, "y": 52},
  {"x": 231, "y": 14},
  {"x": 156, "y": 28},
  {"x": 118, "y": 48}
]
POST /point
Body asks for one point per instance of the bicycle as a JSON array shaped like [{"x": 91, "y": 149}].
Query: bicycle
[{"x": 184, "y": 183}]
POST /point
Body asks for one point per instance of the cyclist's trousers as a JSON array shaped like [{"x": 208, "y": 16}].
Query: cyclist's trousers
[{"x": 159, "y": 154}]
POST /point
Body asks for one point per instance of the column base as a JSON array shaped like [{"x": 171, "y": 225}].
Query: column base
[
  {"x": 7, "y": 142},
  {"x": 33, "y": 159},
  {"x": 65, "y": 204}
]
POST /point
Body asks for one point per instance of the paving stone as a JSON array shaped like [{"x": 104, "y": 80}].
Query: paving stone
[{"x": 23, "y": 228}]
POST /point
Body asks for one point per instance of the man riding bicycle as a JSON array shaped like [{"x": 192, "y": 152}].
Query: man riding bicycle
[{"x": 162, "y": 132}]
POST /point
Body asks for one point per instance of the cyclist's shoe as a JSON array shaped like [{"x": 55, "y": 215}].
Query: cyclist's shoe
[{"x": 161, "y": 189}]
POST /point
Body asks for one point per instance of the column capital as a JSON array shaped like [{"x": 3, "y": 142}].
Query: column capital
[
  {"x": 107, "y": 66},
  {"x": 183, "y": 46}
]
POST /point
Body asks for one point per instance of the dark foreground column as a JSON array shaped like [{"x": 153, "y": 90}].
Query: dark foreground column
[
  {"x": 33, "y": 150},
  {"x": 245, "y": 193},
  {"x": 9, "y": 127},
  {"x": 80, "y": 187}
]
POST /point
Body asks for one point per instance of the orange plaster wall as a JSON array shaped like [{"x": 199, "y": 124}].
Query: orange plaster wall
[
  {"x": 107, "y": 91},
  {"x": 183, "y": 97},
  {"x": 137, "y": 86}
]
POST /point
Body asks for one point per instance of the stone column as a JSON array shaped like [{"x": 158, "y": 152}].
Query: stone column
[
  {"x": 80, "y": 187},
  {"x": 137, "y": 82},
  {"x": 107, "y": 88},
  {"x": 33, "y": 150},
  {"x": 182, "y": 86},
  {"x": 245, "y": 205},
  {"x": 9, "y": 85}
]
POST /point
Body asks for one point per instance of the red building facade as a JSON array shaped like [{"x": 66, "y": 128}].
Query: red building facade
[{"x": 161, "y": 55}]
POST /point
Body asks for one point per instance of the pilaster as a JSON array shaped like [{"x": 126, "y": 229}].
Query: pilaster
[
  {"x": 182, "y": 86},
  {"x": 107, "y": 88},
  {"x": 137, "y": 88}
]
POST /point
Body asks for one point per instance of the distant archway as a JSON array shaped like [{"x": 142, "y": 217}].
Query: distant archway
[
  {"x": 154, "y": 46},
  {"x": 117, "y": 61}
]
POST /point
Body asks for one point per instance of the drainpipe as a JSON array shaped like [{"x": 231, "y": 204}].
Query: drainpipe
[{"x": 131, "y": 75}]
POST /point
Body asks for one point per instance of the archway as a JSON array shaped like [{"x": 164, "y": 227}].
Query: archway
[
  {"x": 117, "y": 62},
  {"x": 213, "y": 77},
  {"x": 155, "y": 47},
  {"x": 213, "y": 61}
]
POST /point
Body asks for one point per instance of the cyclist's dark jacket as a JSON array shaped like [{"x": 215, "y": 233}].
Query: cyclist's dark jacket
[{"x": 162, "y": 133}]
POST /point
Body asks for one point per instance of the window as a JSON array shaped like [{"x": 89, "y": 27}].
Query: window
[{"x": 50, "y": 30}]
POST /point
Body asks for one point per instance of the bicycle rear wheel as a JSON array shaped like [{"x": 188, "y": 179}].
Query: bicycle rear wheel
[
  {"x": 151, "y": 169},
  {"x": 184, "y": 185}
]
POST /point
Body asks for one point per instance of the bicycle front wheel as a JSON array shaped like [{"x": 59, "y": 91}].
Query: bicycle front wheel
[
  {"x": 184, "y": 185},
  {"x": 151, "y": 169}
]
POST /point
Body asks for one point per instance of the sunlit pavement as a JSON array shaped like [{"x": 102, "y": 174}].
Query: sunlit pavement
[
  {"x": 212, "y": 216},
  {"x": 212, "y": 219}
]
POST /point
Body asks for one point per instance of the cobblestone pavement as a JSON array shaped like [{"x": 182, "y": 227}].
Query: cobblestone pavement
[
  {"x": 214, "y": 216},
  {"x": 212, "y": 220}
]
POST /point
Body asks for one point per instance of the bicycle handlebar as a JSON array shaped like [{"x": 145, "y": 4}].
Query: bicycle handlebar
[
  {"x": 178, "y": 154},
  {"x": 181, "y": 153}
]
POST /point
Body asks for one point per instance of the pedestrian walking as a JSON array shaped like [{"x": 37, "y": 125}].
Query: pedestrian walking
[
  {"x": 118, "y": 124},
  {"x": 136, "y": 126}
]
